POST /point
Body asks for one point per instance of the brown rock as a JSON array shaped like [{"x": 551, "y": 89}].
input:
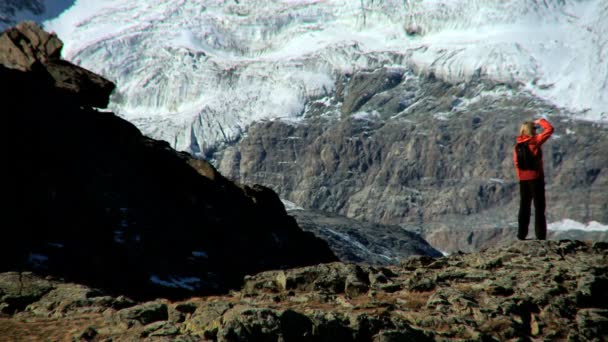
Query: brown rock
[
  {"x": 28, "y": 48},
  {"x": 26, "y": 44}
]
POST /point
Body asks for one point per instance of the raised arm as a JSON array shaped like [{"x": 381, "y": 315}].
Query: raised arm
[{"x": 546, "y": 133}]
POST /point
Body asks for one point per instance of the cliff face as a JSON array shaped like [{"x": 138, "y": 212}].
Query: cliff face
[
  {"x": 91, "y": 199},
  {"x": 412, "y": 150},
  {"x": 550, "y": 290}
]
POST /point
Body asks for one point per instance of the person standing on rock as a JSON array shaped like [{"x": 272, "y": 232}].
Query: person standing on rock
[{"x": 529, "y": 168}]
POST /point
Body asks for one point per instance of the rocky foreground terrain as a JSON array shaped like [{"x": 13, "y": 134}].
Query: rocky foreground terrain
[{"x": 528, "y": 291}]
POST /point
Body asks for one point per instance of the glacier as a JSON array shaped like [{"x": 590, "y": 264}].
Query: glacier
[{"x": 198, "y": 73}]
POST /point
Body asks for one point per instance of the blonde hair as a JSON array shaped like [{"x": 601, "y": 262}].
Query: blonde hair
[{"x": 527, "y": 128}]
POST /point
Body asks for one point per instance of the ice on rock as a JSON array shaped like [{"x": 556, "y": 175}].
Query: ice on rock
[{"x": 196, "y": 73}]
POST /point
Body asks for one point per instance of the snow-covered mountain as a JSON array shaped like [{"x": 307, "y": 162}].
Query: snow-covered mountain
[{"x": 196, "y": 73}]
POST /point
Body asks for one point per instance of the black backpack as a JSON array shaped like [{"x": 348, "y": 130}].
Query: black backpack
[{"x": 525, "y": 159}]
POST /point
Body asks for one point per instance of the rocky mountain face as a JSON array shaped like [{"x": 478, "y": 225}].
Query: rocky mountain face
[
  {"x": 90, "y": 199},
  {"x": 396, "y": 146},
  {"x": 530, "y": 290}
]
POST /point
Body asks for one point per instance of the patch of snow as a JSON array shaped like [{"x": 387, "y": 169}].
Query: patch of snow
[
  {"x": 290, "y": 205},
  {"x": 200, "y": 254},
  {"x": 387, "y": 257},
  {"x": 350, "y": 240},
  {"x": 442, "y": 116},
  {"x": 442, "y": 252},
  {"x": 366, "y": 116},
  {"x": 568, "y": 224},
  {"x": 37, "y": 259},
  {"x": 188, "y": 283}
]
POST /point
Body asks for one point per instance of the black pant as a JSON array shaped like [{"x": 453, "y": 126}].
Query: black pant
[{"x": 532, "y": 190}]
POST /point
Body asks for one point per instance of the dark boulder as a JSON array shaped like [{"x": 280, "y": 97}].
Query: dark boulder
[{"x": 92, "y": 200}]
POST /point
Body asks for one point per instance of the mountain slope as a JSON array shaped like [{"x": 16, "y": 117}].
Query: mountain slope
[
  {"x": 394, "y": 112},
  {"x": 90, "y": 199},
  {"x": 445, "y": 162}
]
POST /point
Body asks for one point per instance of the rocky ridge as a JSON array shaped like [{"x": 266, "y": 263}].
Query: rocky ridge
[
  {"x": 530, "y": 290},
  {"x": 92, "y": 200}
]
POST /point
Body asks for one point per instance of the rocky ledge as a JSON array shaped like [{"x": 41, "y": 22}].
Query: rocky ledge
[{"x": 530, "y": 290}]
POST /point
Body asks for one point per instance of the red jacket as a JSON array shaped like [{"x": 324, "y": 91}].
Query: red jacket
[{"x": 535, "y": 144}]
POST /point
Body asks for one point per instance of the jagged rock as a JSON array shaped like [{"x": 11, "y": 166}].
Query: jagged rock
[
  {"x": 250, "y": 325},
  {"x": 160, "y": 329},
  {"x": 593, "y": 323},
  {"x": 28, "y": 48},
  {"x": 591, "y": 290},
  {"x": 356, "y": 284},
  {"x": 94, "y": 201},
  {"x": 206, "y": 320},
  {"x": 364, "y": 85},
  {"x": 205, "y": 169},
  {"x": 531, "y": 294},
  {"x": 296, "y": 326},
  {"x": 88, "y": 335},
  {"x": 401, "y": 335},
  {"x": 146, "y": 313},
  {"x": 18, "y": 290}
]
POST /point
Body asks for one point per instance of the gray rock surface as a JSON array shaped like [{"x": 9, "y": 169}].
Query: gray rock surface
[
  {"x": 363, "y": 242},
  {"x": 527, "y": 290},
  {"x": 422, "y": 152}
]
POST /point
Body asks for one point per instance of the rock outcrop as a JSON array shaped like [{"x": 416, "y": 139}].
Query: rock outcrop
[
  {"x": 364, "y": 242},
  {"x": 90, "y": 199},
  {"x": 408, "y": 149},
  {"x": 530, "y": 290}
]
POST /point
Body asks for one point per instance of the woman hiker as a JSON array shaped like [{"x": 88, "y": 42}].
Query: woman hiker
[{"x": 528, "y": 158}]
